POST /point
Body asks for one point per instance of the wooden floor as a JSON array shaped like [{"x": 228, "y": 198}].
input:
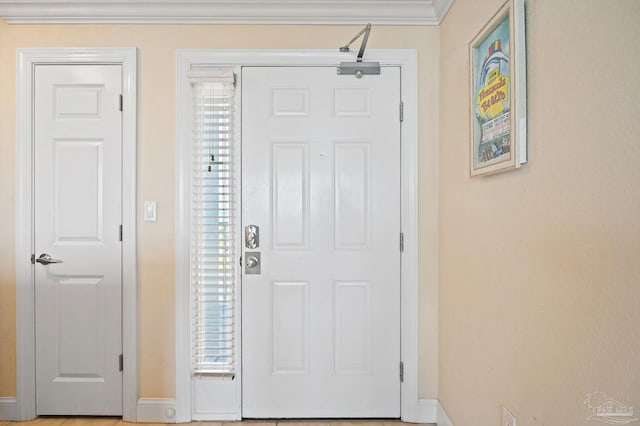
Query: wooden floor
[{"x": 108, "y": 421}]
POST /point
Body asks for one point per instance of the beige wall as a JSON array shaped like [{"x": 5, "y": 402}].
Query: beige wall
[
  {"x": 156, "y": 167},
  {"x": 540, "y": 267}
]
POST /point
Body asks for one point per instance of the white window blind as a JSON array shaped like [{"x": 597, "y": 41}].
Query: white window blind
[{"x": 212, "y": 225}]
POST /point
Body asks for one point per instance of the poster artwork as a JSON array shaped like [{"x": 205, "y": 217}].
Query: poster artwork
[{"x": 492, "y": 123}]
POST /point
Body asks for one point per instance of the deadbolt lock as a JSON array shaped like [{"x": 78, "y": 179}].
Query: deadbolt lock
[{"x": 251, "y": 236}]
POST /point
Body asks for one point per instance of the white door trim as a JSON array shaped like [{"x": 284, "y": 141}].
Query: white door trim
[
  {"x": 25, "y": 326},
  {"x": 407, "y": 60}
]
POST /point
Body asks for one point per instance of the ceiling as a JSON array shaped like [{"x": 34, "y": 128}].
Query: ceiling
[{"x": 380, "y": 12}]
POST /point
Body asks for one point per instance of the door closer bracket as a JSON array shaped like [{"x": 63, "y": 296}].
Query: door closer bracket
[{"x": 359, "y": 68}]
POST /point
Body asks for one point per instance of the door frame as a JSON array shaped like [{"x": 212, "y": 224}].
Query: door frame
[
  {"x": 237, "y": 58},
  {"x": 26, "y": 60}
]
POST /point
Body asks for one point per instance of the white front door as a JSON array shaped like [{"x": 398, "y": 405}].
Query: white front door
[
  {"x": 77, "y": 204},
  {"x": 321, "y": 181}
]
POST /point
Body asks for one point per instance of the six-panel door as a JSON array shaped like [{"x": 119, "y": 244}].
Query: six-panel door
[
  {"x": 321, "y": 179},
  {"x": 77, "y": 204}
]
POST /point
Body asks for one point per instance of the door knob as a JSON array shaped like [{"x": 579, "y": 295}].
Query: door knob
[
  {"x": 252, "y": 262},
  {"x": 45, "y": 259}
]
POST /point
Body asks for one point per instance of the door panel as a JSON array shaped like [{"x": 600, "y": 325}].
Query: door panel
[
  {"x": 77, "y": 159},
  {"x": 321, "y": 178},
  {"x": 352, "y": 208},
  {"x": 290, "y": 336},
  {"x": 290, "y": 195}
]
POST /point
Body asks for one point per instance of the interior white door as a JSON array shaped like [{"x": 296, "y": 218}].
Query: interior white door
[
  {"x": 321, "y": 180},
  {"x": 77, "y": 204}
]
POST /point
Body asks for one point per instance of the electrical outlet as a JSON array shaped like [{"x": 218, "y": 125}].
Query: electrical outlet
[{"x": 507, "y": 418}]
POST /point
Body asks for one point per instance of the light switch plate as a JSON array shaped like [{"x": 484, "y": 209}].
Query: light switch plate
[{"x": 150, "y": 212}]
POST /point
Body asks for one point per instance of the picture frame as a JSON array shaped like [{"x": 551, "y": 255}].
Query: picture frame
[{"x": 498, "y": 88}]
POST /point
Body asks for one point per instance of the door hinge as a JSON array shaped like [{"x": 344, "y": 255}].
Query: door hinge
[
  {"x": 401, "y": 242},
  {"x": 120, "y": 233},
  {"x": 401, "y": 372},
  {"x": 401, "y": 112},
  {"x": 121, "y": 101},
  {"x": 33, "y": 259},
  {"x": 120, "y": 362}
]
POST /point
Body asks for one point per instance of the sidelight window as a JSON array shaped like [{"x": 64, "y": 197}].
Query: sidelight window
[{"x": 212, "y": 251}]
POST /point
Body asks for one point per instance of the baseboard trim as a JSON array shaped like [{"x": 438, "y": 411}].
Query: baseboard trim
[
  {"x": 156, "y": 410},
  {"x": 427, "y": 410},
  {"x": 441, "y": 415},
  {"x": 150, "y": 410},
  {"x": 163, "y": 410},
  {"x": 431, "y": 411},
  {"x": 8, "y": 408},
  {"x": 216, "y": 417}
]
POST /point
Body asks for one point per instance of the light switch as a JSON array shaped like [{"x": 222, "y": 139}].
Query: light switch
[{"x": 150, "y": 211}]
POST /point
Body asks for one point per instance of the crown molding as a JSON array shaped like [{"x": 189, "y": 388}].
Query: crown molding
[{"x": 380, "y": 12}]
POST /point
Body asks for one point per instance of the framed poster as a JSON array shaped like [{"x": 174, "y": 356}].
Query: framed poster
[{"x": 498, "y": 92}]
